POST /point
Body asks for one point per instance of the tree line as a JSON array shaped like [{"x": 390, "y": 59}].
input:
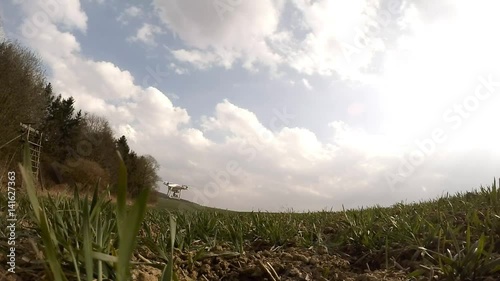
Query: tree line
[{"x": 78, "y": 148}]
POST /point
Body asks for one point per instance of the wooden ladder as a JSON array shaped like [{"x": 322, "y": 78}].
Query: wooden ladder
[{"x": 34, "y": 141}]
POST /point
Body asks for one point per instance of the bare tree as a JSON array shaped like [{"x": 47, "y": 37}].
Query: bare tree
[
  {"x": 23, "y": 95},
  {"x": 97, "y": 133}
]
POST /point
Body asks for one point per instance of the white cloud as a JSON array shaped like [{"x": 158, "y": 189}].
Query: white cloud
[
  {"x": 103, "y": 88},
  {"x": 307, "y": 84},
  {"x": 323, "y": 39},
  {"x": 160, "y": 115},
  {"x": 133, "y": 11},
  {"x": 146, "y": 34},
  {"x": 42, "y": 14},
  {"x": 2, "y": 31},
  {"x": 129, "y": 13},
  {"x": 328, "y": 46},
  {"x": 97, "y": 1},
  {"x": 294, "y": 166},
  {"x": 178, "y": 70},
  {"x": 239, "y": 33},
  {"x": 200, "y": 60},
  {"x": 425, "y": 76},
  {"x": 259, "y": 164},
  {"x": 330, "y": 38},
  {"x": 128, "y": 131}
]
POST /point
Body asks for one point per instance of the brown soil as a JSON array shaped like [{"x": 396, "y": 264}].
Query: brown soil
[{"x": 281, "y": 264}]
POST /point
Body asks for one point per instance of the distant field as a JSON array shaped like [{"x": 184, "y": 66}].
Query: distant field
[
  {"x": 167, "y": 203},
  {"x": 455, "y": 237}
]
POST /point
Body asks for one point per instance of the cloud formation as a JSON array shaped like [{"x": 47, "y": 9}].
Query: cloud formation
[
  {"x": 268, "y": 163},
  {"x": 129, "y": 13},
  {"x": 146, "y": 34}
]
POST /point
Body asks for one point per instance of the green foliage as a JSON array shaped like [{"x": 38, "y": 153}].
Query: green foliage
[
  {"x": 129, "y": 223},
  {"x": 47, "y": 233},
  {"x": 77, "y": 148},
  {"x": 61, "y": 127},
  {"x": 22, "y": 97},
  {"x": 83, "y": 233},
  {"x": 168, "y": 272},
  {"x": 450, "y": 238},
  {"x": 123, "y": 148},
  {"x": 142, "y": 170}
]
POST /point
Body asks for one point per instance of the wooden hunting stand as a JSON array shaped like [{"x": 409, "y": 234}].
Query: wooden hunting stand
[{"x": 33, "y": 139}]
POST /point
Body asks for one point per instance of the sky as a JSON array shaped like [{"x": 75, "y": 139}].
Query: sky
[{"x": 284, "y": 105}]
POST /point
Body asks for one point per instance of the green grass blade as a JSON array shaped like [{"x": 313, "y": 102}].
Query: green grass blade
[
  {"x": 129, "y": 238},
  {"x": 168, "y": 272},
  {"x": 87, "y": 242},
  {"x": 121, "y": 196},
  {"x": 47, "y": 234}
]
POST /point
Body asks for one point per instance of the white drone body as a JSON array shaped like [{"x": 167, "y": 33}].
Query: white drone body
[{"x": 174, "y": 189}]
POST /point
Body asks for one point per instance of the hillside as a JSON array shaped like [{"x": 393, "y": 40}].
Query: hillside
[
  {"x": 450, "y": 238},
  {"x": 167, "y": 203}
]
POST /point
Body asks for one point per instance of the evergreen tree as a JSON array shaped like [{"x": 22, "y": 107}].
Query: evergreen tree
[
  {"x": 123, "y": 148},
  {"x": 141, "y": 170},
  {"x": 61, "y": 127}
]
